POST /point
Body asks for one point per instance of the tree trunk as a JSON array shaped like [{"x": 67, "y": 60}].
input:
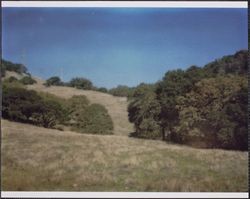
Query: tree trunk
[{"x": 163, "y": 133}]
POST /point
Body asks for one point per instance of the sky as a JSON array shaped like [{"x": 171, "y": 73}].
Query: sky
[{"x": 119, "y": 46}]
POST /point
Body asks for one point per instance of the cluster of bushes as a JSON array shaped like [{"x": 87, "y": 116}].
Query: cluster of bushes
[
  {"x": 89, "y": 118},
  {"x": 9, "y": 66},
  {"x": 19, "y": 104},
  {"x": 204, "y": 107},
  {"x": 26, "y": 80},
  {"x": 122, "y": 91},
  {"x": 49, "y": 111}
]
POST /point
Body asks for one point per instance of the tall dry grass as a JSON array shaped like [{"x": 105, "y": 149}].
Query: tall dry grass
[{"x": 39, "y": 159}]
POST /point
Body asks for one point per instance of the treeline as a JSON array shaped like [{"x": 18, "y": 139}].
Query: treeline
[
  {"x": 201, "y": 106},
  {"x": 50, "y": 111},
  {"x": 86, "y": 84}
]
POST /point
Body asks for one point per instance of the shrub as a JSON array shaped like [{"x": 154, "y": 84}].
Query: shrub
[
  {"x": 122, "y": 91},
  {"x": 81, "y": 83},
  {"x": 75, "y": 106},
  {"x": 53, "y": 81},
  {"x": 95, "y": 120},
  {"x": 7, "y": 65},
  {"x": 11, "y": 79},
  {"x": 24, "y": 105},
  {"x": 27, "y": 80},
  {"x": 102, "y": 89}
]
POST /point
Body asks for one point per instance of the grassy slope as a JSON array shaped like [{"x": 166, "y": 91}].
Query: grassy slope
[
  {"x": 36, "y": 159},
  {"x": 116, "y": 106},
  {"x": 43, "y": 159}
]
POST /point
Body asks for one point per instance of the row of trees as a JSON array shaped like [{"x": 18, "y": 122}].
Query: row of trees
[
  {"x": 49, "y": 111},
  {"x": 77, "y": 82},
  {"x": 86, "y": 84},
  {"x": 204, "y": 107}
]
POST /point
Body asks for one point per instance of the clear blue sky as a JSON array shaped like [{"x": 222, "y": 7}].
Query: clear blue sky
[{"x": 119, "y": 46}]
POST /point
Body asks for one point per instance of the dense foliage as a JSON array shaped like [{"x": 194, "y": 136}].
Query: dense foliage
[
  {"x": 81, "y": 83},
  {"x": 9, "y": 66},
  {"x": 204, "y": 107},
  {"x": 19, "y": 104},
  {"x": 86, "y": 118},
  {"x": 122, "y": 91},
  {"x": 27, "y": 80},
  {"x": 50, "y": 111},
  {"x": 53, "y": 81}
]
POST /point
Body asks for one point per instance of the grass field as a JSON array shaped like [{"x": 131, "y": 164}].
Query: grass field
[{"x": 39, "y": 159}]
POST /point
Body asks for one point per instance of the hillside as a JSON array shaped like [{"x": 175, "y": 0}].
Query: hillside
[
  {"x": 39, "y": 159},
  {"x": 116, "y": 106}
]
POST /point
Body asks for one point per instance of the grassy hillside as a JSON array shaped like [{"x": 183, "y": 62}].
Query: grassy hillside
[
  {"x": 116, "y": 106},
  {"x": 39, "y": 159}
]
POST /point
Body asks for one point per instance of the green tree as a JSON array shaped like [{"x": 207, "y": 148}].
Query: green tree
[
  {"x": 81, "y": 83},
  {"x": 54, "y": 81},
  {"x": 122, "y": 91},
  {"x": 27, "y": 106},
  {"x": 144, "y": 112},
  {"x": 94, "y": 119},
  {"x": 207, "y": 113}
]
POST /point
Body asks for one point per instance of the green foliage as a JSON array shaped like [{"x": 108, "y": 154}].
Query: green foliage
[
  {"x": 9, "y": 66},
  {"x": 210, "y": 111},
  {"x": 11, "y": 79},
  {"x": 27, "y": 80},
  {"x": 144, "y": 111},
  {"x": 86, "y": 118},
  {"x": 94, "y": 119},
  {"x": 102, "y": 89},
  {"x": 53, "y": 81},
  {"x": 24, "y": 105},
  {"x": 122, "y": 91},
  {"x": 76, "y": 105},
  {"x": 81, "y": 83},
  {"x": 232, "y": 64},
  {"x": 205, "y": 107},
  {"x": 12, "y": 82}
]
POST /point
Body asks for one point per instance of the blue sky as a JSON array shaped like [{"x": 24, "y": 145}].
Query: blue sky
[{"x": 119, "y": 46}]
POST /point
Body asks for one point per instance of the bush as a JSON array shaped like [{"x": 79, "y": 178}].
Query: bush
[
  {"x": 94, "y": 119},
  {"x": 27, "y": 80},
  {"x": 81, "y": 83},
  {"x": 53, "y": 81},
  {"x": 7, "y": 65},
  {"x": 11, "y": 79},
  {"x": 102, "y": 89},
  {"x": 122, "y": 91},
  {"x": 27, "y": 106}
]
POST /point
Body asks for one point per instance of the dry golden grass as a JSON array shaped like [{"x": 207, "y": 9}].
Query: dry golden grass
[
  {"x": 116, "y": 106},
  {"x": 39, "y": 159}
]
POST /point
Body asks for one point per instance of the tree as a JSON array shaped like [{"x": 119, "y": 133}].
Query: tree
[
  {"x": 81, "y": 83},
  {"x": 122, "y": 91},
  {"x": 94, "y": 119},
  {"x": 208, "y": 113},
  {"x": 144, "y": 112},
  {"x": 54, "y": 81},
  {"x": 27, "y": 106}
]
